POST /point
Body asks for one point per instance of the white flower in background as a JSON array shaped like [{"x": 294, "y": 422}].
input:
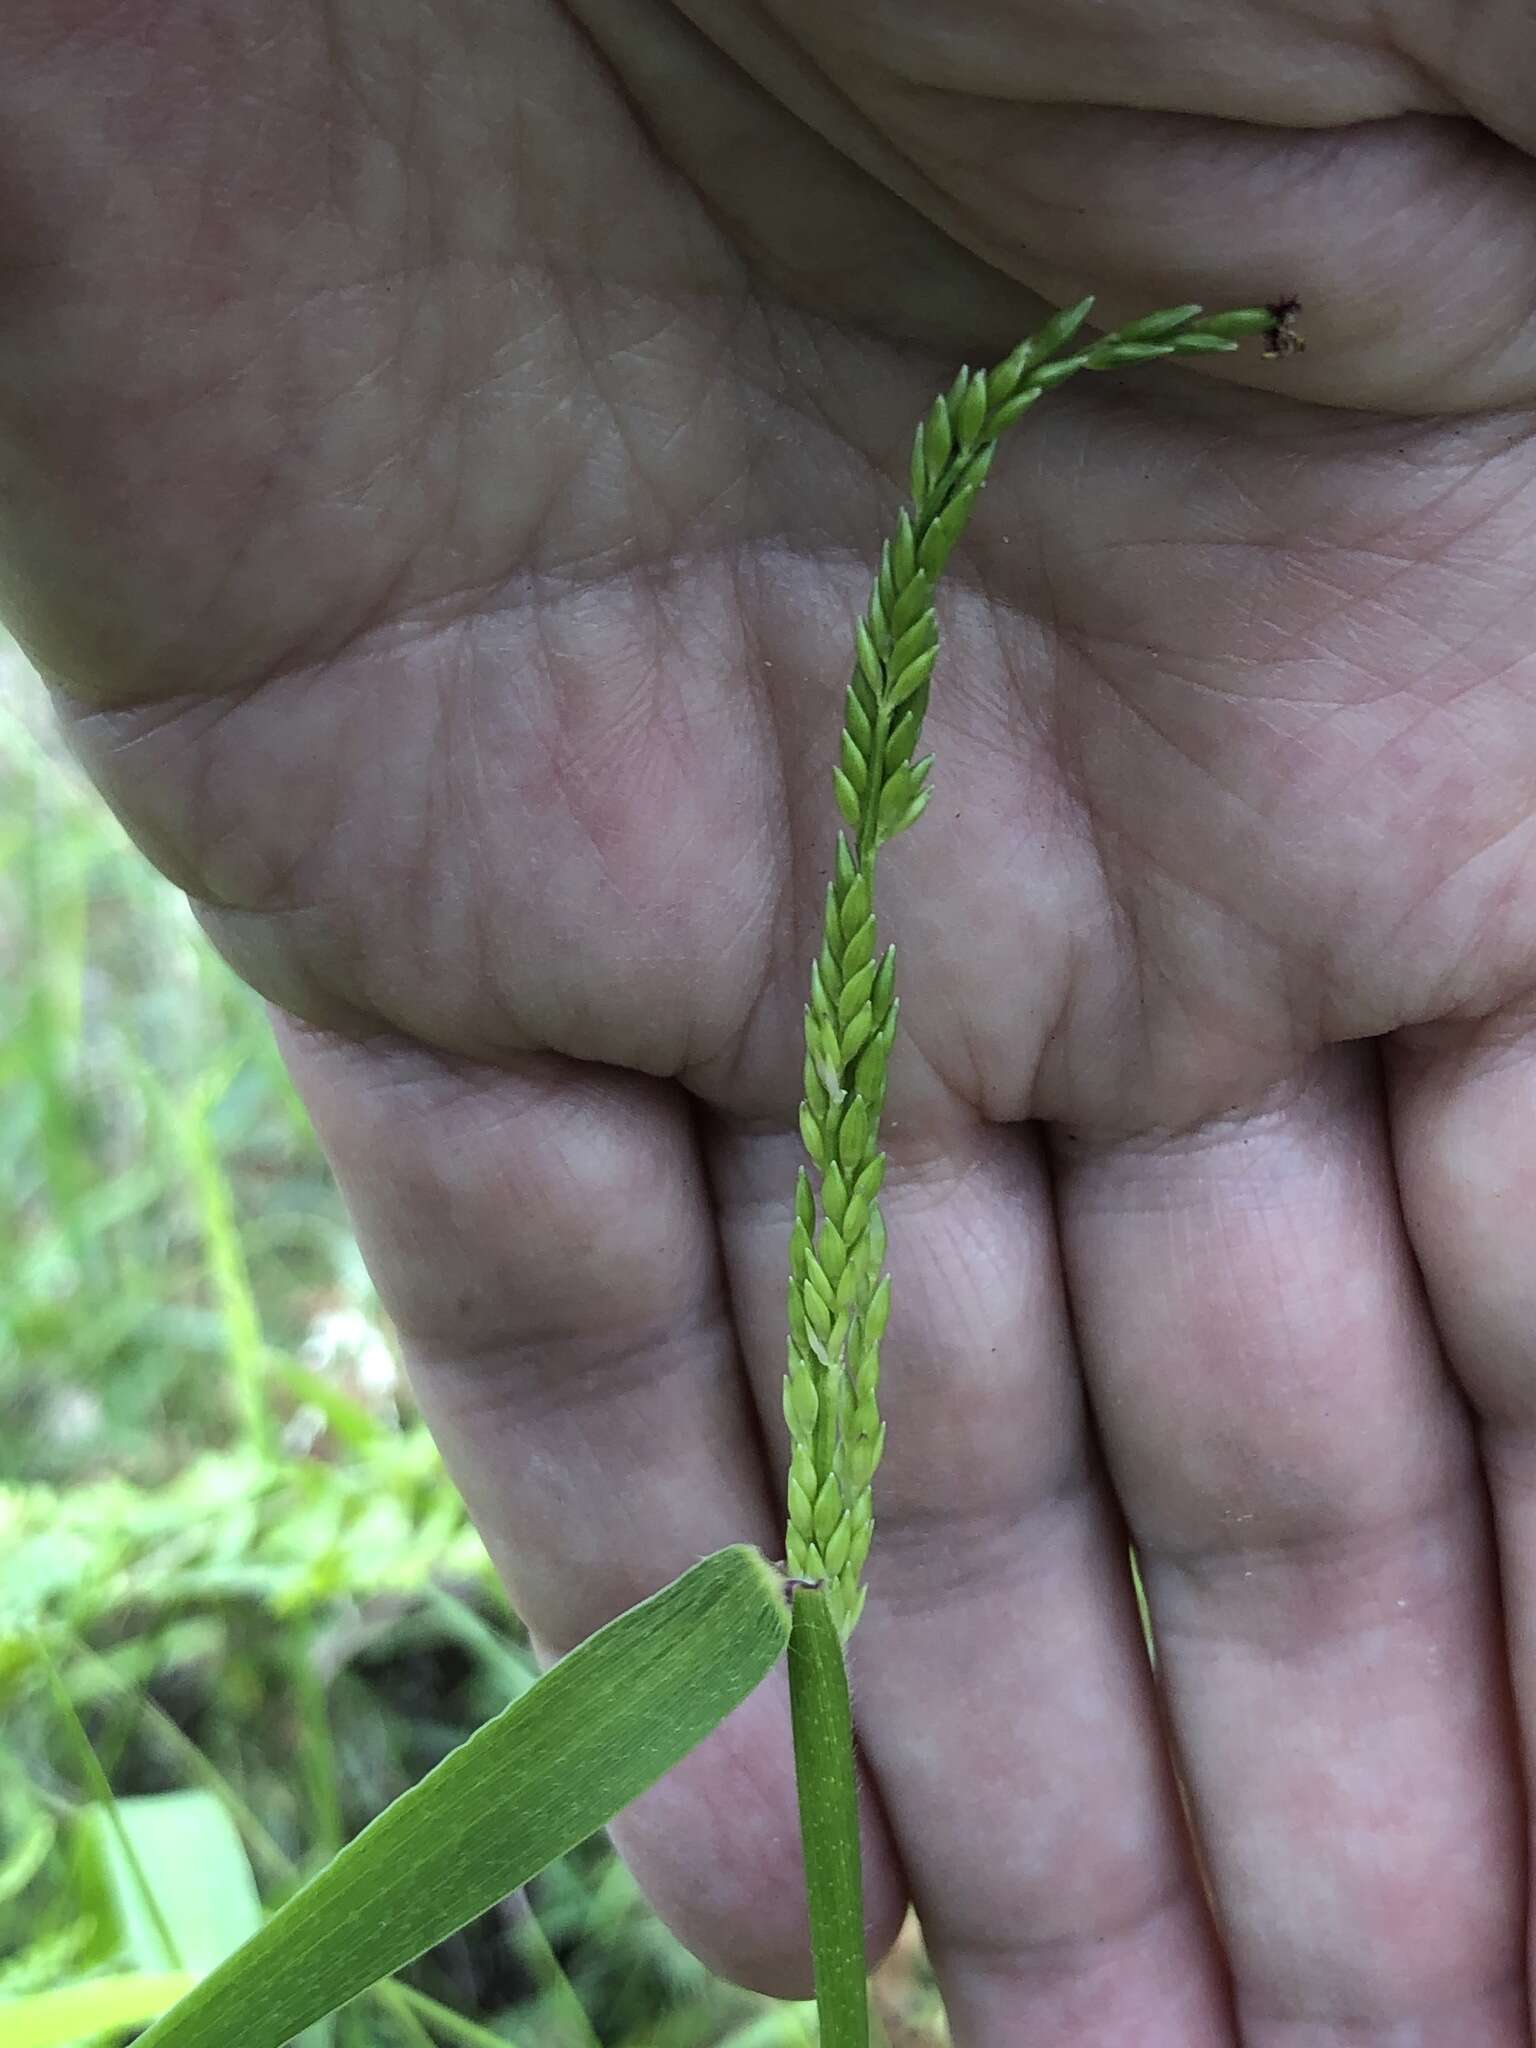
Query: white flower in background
[{"x": 343, "y": 1344}]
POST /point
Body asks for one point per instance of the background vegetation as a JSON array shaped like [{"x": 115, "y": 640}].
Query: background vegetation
[{"x": 228, "y": 1551}]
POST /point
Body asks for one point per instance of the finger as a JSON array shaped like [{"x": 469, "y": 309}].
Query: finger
[
  {"x": 1464, "y": 1128},
  {"x": 1231, "y": 156},
  {"x": 1303, "y": 1490},
  {"x": 1001, "y": 1686},
  {"x": 1387, "y": 231},
  {"x": 543, "y": 1238},
  {"x": 1489, "y": 70}
]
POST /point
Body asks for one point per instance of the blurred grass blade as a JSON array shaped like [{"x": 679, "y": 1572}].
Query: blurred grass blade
[
  {"x": 244, "y": 1346},
  {"x": 789, "y": 2026},
  {"x": 185, "y": 1852},
  {"x": 556, "y": 1991},
  {"x": 79, "y": 2012},
  {"x": 133, "y": 1874},
  {"x": 26, "y": 1856},
  {"x": 589, "y": 1737}
]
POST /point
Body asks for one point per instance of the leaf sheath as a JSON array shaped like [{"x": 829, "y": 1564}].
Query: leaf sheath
[{"x": 829, "y": 1820}]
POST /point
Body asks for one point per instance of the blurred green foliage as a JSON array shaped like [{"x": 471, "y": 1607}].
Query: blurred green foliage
[{"x": 226, "y": 1538}]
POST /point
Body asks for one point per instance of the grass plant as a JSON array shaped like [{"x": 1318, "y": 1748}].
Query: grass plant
[
  {"x": 839, "y": 1294},
  {"x": 264, "y": 1522}
]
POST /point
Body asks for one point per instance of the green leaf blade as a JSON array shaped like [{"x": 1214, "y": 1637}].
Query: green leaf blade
[
  {"x": 592, "y": 1734},
  {"x": 72, "y": 2013}
]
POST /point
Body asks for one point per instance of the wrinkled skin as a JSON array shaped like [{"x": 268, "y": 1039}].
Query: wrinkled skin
[{"x": 441, "y": 452}]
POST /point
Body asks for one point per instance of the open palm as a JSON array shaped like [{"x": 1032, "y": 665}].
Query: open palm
[{"x": 442, "y": 451}]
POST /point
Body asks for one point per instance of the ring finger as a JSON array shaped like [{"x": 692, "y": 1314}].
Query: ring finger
[{"x": 1302, "y": 1485}]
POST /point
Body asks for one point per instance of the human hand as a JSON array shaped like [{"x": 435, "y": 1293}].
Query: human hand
[{"x": 442, "y": 453}]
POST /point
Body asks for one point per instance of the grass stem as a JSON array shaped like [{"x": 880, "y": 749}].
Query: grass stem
[{"x": 829, "y": 1819}]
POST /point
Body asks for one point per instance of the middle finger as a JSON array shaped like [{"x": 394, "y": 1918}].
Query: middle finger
[{"x": 1001, "y": 1687}]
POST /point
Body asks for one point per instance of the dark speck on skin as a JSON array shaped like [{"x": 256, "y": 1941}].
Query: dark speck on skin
[{"x": 1283, "y": 339}]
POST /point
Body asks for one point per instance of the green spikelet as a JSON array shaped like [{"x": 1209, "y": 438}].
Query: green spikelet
[{"x": 839, "y": 1299}]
